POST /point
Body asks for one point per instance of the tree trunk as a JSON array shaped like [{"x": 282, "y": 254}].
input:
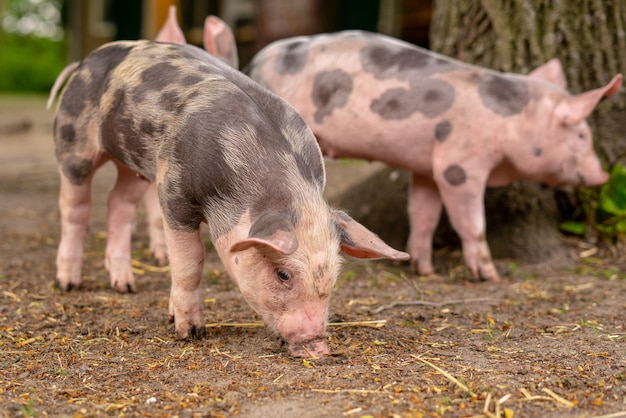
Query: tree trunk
[{"x": 588, "y": 36}]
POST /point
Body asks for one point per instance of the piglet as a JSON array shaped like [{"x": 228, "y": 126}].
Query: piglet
[
  {"x": 221, "y": 150},
  {"x": 457, "y": 128}
]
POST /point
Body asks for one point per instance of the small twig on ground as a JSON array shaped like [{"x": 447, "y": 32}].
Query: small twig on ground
[
  {"x": 558, "y": 398},
  {"x": 378, "y": 323},
  {"x": 425, "y": 303},
  {"x": 445, "y": 374}
]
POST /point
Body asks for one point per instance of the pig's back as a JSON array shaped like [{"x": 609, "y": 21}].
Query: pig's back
[{"x": 146, "y": 96}]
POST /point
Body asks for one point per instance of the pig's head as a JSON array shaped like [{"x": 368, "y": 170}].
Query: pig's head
[
  {"x": 567, "y": 157},
  {"x": 218, "y": 37},
  {"x": 287, "y": 266}
]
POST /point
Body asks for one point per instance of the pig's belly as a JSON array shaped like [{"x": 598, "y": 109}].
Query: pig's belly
[{"x": 398, "y": 144}]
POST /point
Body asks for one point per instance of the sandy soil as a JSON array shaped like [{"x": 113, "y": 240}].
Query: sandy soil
[{"x": 546, "y": 342}]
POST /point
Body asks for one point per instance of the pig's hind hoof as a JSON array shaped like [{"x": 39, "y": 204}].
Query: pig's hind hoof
[
  {"x": 196, "y": 333},
  {"x": 67, "y": 287}
]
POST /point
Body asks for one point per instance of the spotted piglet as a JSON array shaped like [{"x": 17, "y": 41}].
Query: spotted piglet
[
  {"x": 457, "y": 128},
  {"x": 221, "y": 150}
]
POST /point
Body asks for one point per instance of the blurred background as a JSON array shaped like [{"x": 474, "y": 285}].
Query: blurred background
[{"x": 39, "y": 37}]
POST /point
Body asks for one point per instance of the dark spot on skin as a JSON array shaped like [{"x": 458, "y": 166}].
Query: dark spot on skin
[
  {"x": 101, "y": 64},
  {"x": 76, "y": 169},
  {"x": 270, "y": 222},
  {"x": 537, "y": 151},
  {"x": 400, "y": 61},
  {"x": 331, "y": 90},
  {"x": 75, "y": 97},
  {"x": 443, "y": 130},
  {"x": 237, "y": 260},
  {"x": 503, "y": 95},
  {"x": 455, "y": 175},
  {"x": 170, "y": 101},
  {"x": 293, "y": 58},
  {"x": 67, "y": 133},
  {"x": 190, "y": 80},
  {"x": 430, "y": 99},
  {"x": 121, "y": 139},
  {"x": 147, "y": 127},
  {"x": 154, "y": 78}
]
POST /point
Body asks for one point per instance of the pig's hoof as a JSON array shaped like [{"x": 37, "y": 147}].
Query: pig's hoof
[
  {"x": 124, "y": 287},
  {"x": 309, "y": 349},
  {"x": 66, "y": 287},
  {"x": 159, "y": 258},
  {"x": 196, "y": 333}
]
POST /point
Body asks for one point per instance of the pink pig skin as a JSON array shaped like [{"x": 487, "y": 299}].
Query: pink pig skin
[{"x": 457, "y": 128}]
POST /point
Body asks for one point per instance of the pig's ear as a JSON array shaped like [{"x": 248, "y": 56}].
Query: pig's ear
[
  {"x": 272, "y": 230},
  {"x": 575, "y": 109},
  {"x": 220, "y": 41},
  {"x": 552, "y": 72},
  {"x": 171, "y": 32},
  {"x": 360, "y": 242}
]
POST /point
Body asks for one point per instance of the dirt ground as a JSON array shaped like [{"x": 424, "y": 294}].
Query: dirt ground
[{"x": 546, "y": 342}]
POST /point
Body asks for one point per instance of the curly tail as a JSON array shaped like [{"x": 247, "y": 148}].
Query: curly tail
[{"x": 59, "y": 82}]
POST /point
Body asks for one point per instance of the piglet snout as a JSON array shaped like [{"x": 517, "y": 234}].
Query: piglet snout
[{"x": 311, "y": 348}]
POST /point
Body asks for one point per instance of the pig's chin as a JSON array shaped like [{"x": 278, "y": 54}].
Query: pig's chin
[{"x": 311, "y": 349}]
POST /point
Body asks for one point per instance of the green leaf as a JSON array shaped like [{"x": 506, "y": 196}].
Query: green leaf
[{"x": 577, "y": 228}]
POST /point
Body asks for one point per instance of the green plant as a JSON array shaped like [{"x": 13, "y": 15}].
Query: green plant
[{"x": 604, "y": 209}]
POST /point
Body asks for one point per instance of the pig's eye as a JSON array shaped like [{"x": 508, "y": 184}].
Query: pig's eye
[{"x": 283, "y": 275}]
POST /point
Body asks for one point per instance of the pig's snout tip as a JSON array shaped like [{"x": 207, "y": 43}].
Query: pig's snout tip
[
  {"x": 596, "y": 180},
  {"x": 309, "y": 349}
]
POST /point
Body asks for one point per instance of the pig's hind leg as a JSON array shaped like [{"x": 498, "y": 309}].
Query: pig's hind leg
[
  {"x": 122, "y": 205},
  {"x": 75, "y": 207},
  {"x": 155, "y": 225}
]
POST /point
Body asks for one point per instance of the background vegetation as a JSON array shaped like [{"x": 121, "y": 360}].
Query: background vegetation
[{"x": 32, "y": 45}]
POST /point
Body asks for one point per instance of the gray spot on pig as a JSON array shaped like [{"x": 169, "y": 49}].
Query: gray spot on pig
[
  {"x": 67, "y": 134},
  {"x": 431, "y": 99},
  {"x": 503, "y": 95},
  {"x": 190, "y": 80},
  {"x": 101, "y": 64},
  {"x": 75, "y": 97},
  {"x": 331, "y": 89},
  {"x": 455, "y": 175},
  {"x": 537, "y": 151},
  {"x": 402, "y": 62},
  {"x": 155, "y": 78},
  {"x": 443, "y": 130},
  {"x": 270, "y": 222},
  {"x": 293, "y": 58},
  {"x": 76, "y": 169},
  {"x": 122, "y": 140}
]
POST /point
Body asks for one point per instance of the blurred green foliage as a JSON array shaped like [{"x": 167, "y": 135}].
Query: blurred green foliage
[
  {"x": 604, "y": 210},
  {"x": 29, "y": 63}
]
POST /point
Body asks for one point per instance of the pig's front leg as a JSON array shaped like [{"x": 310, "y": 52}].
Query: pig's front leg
[
  {"x": 122, "y": 204},
  {"x": 186, "y": 253},
  {"x": 463, "y": 194},
  {"x": 155, "y": 225},
  {"x": 424, "y": 212},
  {"x": 75, "y": 206}
]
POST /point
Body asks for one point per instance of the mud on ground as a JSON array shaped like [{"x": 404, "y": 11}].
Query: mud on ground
[{"x": 546, "y": 342}]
